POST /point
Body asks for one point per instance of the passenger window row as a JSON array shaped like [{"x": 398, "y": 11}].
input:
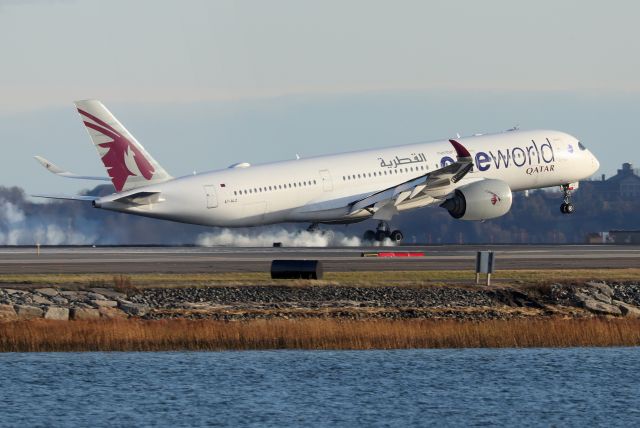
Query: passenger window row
[
  {"x": 383, "y": 173},
  {"x": 275, "y": 187}
]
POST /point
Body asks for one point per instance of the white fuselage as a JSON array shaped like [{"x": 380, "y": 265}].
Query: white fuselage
[{"x": 319, "y": 189}]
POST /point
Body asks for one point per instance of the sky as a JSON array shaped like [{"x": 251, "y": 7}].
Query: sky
[{"x": 204, "y": 84}]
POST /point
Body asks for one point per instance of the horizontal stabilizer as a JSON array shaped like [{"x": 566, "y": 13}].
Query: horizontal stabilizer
[
  {"x": 55, "y": 169},
  {"x": 69, "y": 197}
]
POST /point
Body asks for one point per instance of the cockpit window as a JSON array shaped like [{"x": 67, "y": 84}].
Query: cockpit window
[{"x": 581, "y": 146}]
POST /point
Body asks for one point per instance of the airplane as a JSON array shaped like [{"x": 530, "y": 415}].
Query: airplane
[{"x": 473, "y": 178}]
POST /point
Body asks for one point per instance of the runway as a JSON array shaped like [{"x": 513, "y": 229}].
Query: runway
[{"x": 125, "y": 260}]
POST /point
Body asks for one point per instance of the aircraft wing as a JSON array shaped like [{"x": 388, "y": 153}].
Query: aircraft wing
[
  {"x": 69, "y": 197},
  {"x": 436, "y": 184},
  {"x": 55, "y": 169}
]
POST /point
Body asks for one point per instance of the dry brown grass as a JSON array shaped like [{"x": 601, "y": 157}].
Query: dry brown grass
[
  {"x": 370, "y": 278},
  {"x": 180, "y": 334}
]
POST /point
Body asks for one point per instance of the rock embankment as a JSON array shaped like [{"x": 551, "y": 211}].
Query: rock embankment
[{"x": 383, "y": 302}]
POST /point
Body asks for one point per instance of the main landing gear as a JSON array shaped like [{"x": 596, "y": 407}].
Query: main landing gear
[
  {"x": 566, "y": 207},
  {"x": 383, "y": 232},
  {"x": 314, "y": 228}
]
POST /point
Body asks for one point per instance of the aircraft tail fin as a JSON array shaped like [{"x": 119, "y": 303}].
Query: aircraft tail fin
[{"x": 128, "y": 164}]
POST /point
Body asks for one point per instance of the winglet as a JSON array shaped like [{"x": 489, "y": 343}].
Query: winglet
[
  {"x": 49, "y": 165},
  {"x": 461, "y": 151},
  {"x": 55, "y": 169}
]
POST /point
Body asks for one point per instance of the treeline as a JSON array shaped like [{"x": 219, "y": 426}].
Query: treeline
[{"x": 532, "y": 219}]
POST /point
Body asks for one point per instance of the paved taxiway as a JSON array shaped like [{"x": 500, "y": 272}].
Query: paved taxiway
[{"x": 221, "y": 259}]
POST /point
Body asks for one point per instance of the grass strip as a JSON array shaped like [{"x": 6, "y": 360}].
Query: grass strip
[{"x": 313, "y": 334}]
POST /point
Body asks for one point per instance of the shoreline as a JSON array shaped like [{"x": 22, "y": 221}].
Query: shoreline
[{"x": 396, "y": 310}]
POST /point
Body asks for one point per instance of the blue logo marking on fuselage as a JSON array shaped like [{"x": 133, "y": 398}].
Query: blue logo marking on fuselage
[{"x": 517, "y": 156}]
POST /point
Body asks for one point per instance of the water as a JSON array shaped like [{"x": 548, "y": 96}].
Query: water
[{"x": 536, "y": 387}]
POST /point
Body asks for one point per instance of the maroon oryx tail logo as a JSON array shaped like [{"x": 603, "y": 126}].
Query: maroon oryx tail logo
[
  {"x": 119, "y": 150},
  {"x": 494, "y": 198}
]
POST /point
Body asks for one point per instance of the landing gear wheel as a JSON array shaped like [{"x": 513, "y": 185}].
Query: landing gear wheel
[
  {"x": 569, "y": 208},
  {"x": 329, "y": 235},
  {"x": 369, "y": 235},
  {"x": 381, "y": 235},
  {"x": 396, "y": 236},
  {"x": 566, "y": 207}
]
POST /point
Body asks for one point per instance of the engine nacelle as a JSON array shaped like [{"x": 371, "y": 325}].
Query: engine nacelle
[{"x": 480, "y": 200}]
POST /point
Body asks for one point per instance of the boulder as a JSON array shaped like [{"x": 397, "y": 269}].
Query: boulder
[
  {"x": 13, "y": 291},
  {"x": 592, "y": 293},
  {"x": 104, "y": 303},
  {"x": 56, "y": 313},
  {"x": 40, "y": 300},
  {"x": 602, "y": 288},
  {"x": 50, "y": 292},
  {"x": 84, "y": 314},
  {"x": 82, "y": 305},
  {"x": 95, "y": 296},
  {"x": 59, "y": 300},
  {"x": 133, "y": 309},
  {"x": 7, "y": 313},
  {"x": 26, "y": 312},
  {"x": 107, "y": 312},
  {"x": 627, "y": 309},
  {"x": 111, "y": 294},
  {"x": 600, "y": 308},
  {"x": 71, "y": 295}
]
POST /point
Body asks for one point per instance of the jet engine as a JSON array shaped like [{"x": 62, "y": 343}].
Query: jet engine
[{"x": 480, "y": 200}]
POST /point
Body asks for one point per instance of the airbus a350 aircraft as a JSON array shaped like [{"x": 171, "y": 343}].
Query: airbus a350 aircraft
[{"x": 471, "y": 177}]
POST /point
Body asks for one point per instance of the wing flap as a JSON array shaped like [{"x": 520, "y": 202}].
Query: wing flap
[{"x": 140, "y": 198}]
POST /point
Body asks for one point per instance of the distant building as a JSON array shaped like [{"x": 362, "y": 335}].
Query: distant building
[
  {"x": 625, "y": 184},
  {"x": 614, "y": 237},
  {"x": 625, "y": 236}
]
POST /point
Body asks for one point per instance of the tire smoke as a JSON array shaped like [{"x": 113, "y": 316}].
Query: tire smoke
[{"x": 266, "y": 238}]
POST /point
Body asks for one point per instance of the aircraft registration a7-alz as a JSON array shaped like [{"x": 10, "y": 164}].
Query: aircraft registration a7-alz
[{"x": 472, "y": 177}]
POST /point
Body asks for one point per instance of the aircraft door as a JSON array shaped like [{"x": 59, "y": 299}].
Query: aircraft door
[
  {"x": 327, "y": 184},
  {"x": 212, "y": 198}
]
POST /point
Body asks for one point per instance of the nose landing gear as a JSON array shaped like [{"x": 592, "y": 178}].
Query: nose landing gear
[
  {"x": 383, "y": 232},
  {"x": 566, "y": 207}
]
